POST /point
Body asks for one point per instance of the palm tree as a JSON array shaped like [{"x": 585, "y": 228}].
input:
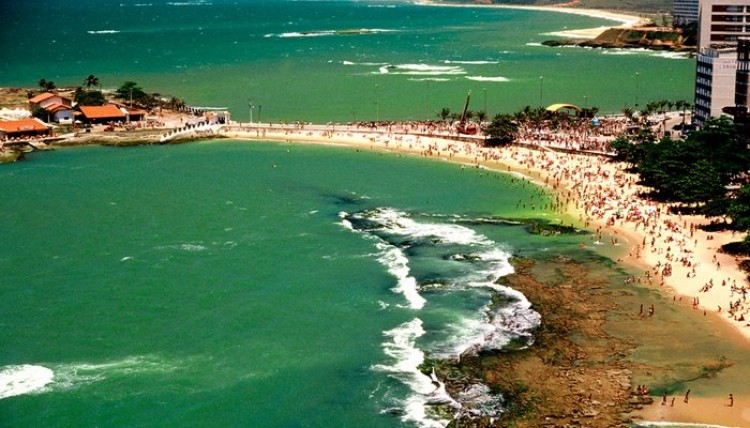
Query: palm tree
[
  {"x": 46, "y": 85},
  {"x": 629, "y": 113},
  {"x": 90, "y": 81},
  {"x": 682, "y": 105},
  {"x": 481, "y": 116},
  {"x": 444, "y": 113}
]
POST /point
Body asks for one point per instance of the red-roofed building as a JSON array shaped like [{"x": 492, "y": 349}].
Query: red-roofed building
[
  {"x": 102, "y": 114},
  {"x": 58, "y": 107},
  {"x": 48, "y": 98},
  {"x": 133, "y": 114},
  {"x": 23, "y": 128}
]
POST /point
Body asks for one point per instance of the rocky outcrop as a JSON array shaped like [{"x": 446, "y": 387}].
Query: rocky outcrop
[{"x": 645, "y": 37}]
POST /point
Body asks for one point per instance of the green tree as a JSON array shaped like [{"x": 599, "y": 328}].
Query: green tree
[
  {"x": 481, "y": 116},
  {"x": 90, "y": 81},
  {"x": 633, "y": 149},
  {"x": 41, "y": 114},
  {"x": 503, "y": 130},
  {"x": 131, "y": 92},
  {"x": 739, "y": 209},
  {"x": 444, "y": 113},
  {"x": 46, "y": 85},
  {"x": 89, "y": 98},
  {"x": 719, "y": 141}
]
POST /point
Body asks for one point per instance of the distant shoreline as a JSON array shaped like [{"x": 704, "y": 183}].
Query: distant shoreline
[{"x": 625, "y": 20}]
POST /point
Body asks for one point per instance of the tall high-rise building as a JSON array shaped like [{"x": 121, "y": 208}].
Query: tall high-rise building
[
  {"x": 685, "y": 11},
  {"x": 742, "y": 85},
  {"x": 715, "y": 77},
  {"x": 722, "y": 22}
]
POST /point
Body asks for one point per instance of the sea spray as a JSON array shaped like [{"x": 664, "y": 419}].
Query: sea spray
[{"x": 430, "y": 259}]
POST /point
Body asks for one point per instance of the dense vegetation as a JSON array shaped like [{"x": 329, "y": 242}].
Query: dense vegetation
[{"x": 705, "y": 173}]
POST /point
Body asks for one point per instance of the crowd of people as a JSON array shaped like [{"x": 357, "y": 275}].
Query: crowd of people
[{"x": 600, "y": 193}]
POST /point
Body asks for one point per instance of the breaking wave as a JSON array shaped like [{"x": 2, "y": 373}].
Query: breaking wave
[
  {"x": 471, "y": 62},
  {"x": 488, "y": 79},
  {"x": 430, "y": 260},
  {"x": 648, "y": 52},
  {"x": 296, "y": 34},
  {"x": 421, "y": 70},
  {"x": 103, "y": 31},
  {"x": 37, "y": 379}
]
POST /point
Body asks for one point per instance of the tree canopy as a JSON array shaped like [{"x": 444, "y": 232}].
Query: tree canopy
[
  {"x": 89, "y": 98},
  {"x": 698, "y": 171},
  {"x": 131, "y": 91},
  {"x": 503, "y": 130}
]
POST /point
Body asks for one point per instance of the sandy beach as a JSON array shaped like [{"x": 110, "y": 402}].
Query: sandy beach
[
  {"x": 622, "y": 20},
  {"x": 676, "y": 258}
]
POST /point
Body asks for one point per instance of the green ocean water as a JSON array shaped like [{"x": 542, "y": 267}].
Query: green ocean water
[
  {"x": 216, "y": 284},
  {"x": 300, "y": 60},
  {"x": 248, "y": 284}
]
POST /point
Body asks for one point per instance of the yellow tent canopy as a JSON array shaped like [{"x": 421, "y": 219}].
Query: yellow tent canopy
[{"x": 556, "y": 107}]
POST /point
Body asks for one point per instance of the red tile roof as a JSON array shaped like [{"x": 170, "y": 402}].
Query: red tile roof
[
  {"x": 41, "y": 97},
  {"x": 25, "y": 125},
  {"x": 108, "y": 111},
  {"x": 55, "y": 107}
]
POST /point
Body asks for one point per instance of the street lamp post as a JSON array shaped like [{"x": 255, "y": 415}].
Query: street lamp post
[
  {"x": 637, "y": 87},
  {"x": 377, "y": 103},
  {"x": 541, "y": 90},
  {"x": 250, "y": 106},
  {"x": 585, "y": 117}
]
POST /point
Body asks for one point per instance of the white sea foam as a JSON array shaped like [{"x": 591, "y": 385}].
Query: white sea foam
[
  {"x": 488, "y": 79},
  {"x": 190, "y": 3},
  {"x": 24, "y": 379},
  {"x": 324, "y": 33},
  {"x": 398, "y": 265},
  {"x": 406, "y": 358},
  {"x": 103, "y": 31},
  {"x": 34, "y": 379},
  {"x": 647, "y": 52},
  {"x": 534, "y": 44},
  {"x": 400, "y": 223},
  {"x": 430, "y": 79},
  {"x": 471, "y": 62},
  {"x": 193, "y": 247},
  {"x": 422, "y": 70},
  {"x": 368, "y": 64}
]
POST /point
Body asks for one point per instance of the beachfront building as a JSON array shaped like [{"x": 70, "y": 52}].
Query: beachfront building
[
  {"x": 715, "y": 78},
  {"x": 22, "y": 129},
  {"x": 723, "y": 22},
  {"x": 59, "y": 108},
  {"x": 685, "y": 11},
  {"x": 102, "y": 114}
]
